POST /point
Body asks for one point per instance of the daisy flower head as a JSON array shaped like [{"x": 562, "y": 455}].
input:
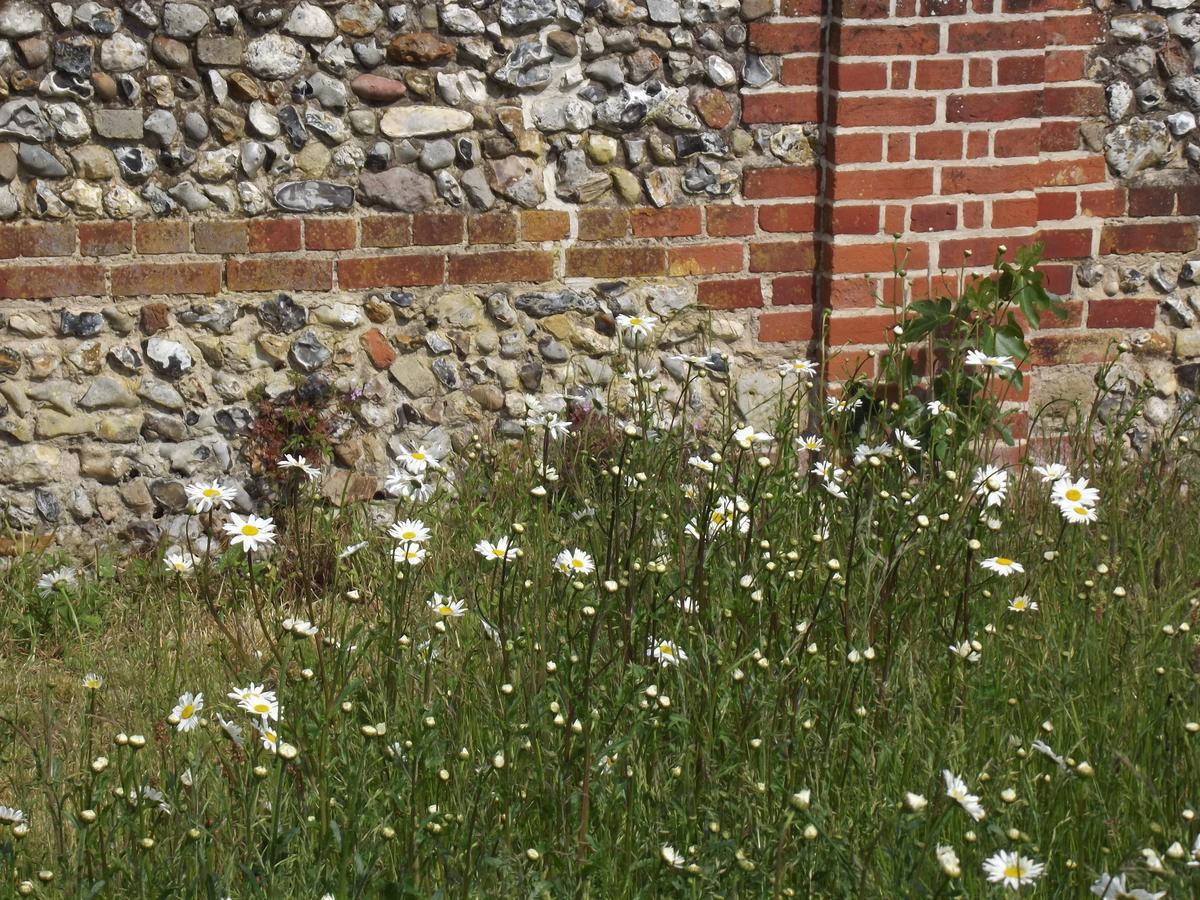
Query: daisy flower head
[
  {"x": 411, "y": 554},
  {"x": 256, "y": 701},
  {"x": 1002, "y": 565},
  {"x": 841, "y": 404},
  {"x": 556, "y": 427},
  {"x": 409, "y": 531},
  {"x": 990, "y": 483},
  {"x": 12, "y": 815},
  {"x": 1010, "y": 868},
  {"x": 500, "y": 550},
  {"x": 667, "y": 653},
  {"x": 935, "y": 407},
  {"x": 998, "y": 363},
  {"x": 92, "y": 681},
  {"x": 250, "y": 532},
  {"x": 268, "y": 735},
  {"x": 301, "y": 628},
  {"x": 1078, "y": 514},
  {"x": 804, "y": 369},
  {"x": 179, "y": 561},
  {"x": 1073, "y": 493},
  {"x": 311, "y": 472},
  {"x": 351, "y": 549},
  {"x": 704, "y": 465},
  {"x": 948, "y": 860},
  {"x": 574, "y": 562},
  {"x": 187, "y": 711},
  {"x": 906, "y": 440},
  {"x": 57, "y": 580},
  {"x": 956, "y": 790},
  {"x": 748, "y": 436},
  {"x": 672, "y": 857},
  {"x": 205, "y": 496},
  {"x": 1022, "y": 603},
  {"x": 813, "y": 443},
  {"x": 447, "y": 607},
  {"x": 1052, "y": 472},
  {"x": 417, "y": 460},
  {"x": 965, "y": 650},
  {"x": 636, "y": 328},
  {"x": 1113, "y": 887}
]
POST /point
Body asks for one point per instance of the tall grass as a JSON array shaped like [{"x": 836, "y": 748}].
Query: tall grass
[{"x": 789, "y": 636}]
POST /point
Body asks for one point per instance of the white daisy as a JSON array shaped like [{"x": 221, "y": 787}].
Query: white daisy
[
  {"x": 667, "y": 653},
  {"x": 500, "y": 550},
  {"x": 311, "y": 472},
  {"x": 1023, "y": 604},
  {"x": 747, "y": 437},
  {"x": 1010, "y": 868},
  {"x": 956, "y": 790},
  {"x": 417, "y": 460},
  {"x": 187, "y": 711},
  {"x": 409, "y": 531},
  {"x": 1052, "y": 472},
  {"x": 1002, "y": 565},
  {"x": 210, "y": 495},
  {"x": 411, "y": 554},
  {"x": 179, "y": 561},
  {"x": 1073, "y": 493},
  {"x": 256, "y": 701},
  {"x": 251, "y": 532},
  {"x": 636, "y": 328},
  {"x": 574, "y": 562},
  {"x": 447, "y": 607},
  {"x": 991, "y": 483},
  {"x": 981, "y": 359},
  {"x": 1078, "y": 514},
  {"x": 57, "y": 580}
]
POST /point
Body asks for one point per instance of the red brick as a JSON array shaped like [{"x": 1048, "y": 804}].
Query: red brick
[
  {"x": 1074, "y": 101},
  {"x": 602, "y": 224},
  {"x": 47, "y": 239},
  {"x": 886, "y": 40},
  {"x": 274, "y": 235},
  {"x": 977, "y": 144},
  {"x": 883, "y": 257},
  {"x": 169, "y": 236},
  {"x": 844, "y": 149},
  {"x": 939, "y": 145},
  {"x": 982, "y": 250},
  {"x": 10, "y": 241},
  {"x": 781, "y": 107},
  {"x": 938, "y": 74},
  {"x": 730, "y": 221},
  {"x": 390, "y": 271},
  {"x": 741, "y": 293},
  {"x": 1108, "y": 201},
  {"x": 1066, "y": 243},
  {"x": 901, "y": 74},
  {"x": 787, "y": 217},
  {"x": 858, "y": 76},
  {"x": 1188, "y": 198},
  {"x": 105, "y": 238},
  {"x": 863, "y": 329},
  {"x": 882, "y": 184},
  {"x": 143, "y": 278},
  {"x": 378, "y": 348},
  {"x": 1068, "y": 172},
  {"x": 1021, "y": 69},
  {"x": 544, "y": 224},
  {"x": 849, "y": 364},
  {"x": 1060, "y": 135},
  {"x": 990, "y": 179},
  {"x": 1075, "y": 30},
  {"x": 1053, "y": 350},
  {"x": 330, "y": 234},
  {"x": 934, "y": 217},
  {"x": 979, "y": 72},
  {"x": 799, "y": 8},
  {"x": 430, "y": 229},
  {"x": 1010, "y": 142},
  {"x": 279, "y": 274},
  {"x": 682, "y": 221},
  {"x": 1122, "y": 313},
  {"x": 492, "y": 228},
  {"x": 898, "y": 147},
  {"x": 1162, "y": 237},
  {"x": 1015, "y": 212},
  {"x": 800, "y": 70},
  {"x": 792, "y": 290},
  {"x": 789, "y": 326},
  {"x": 1059, "y": 279},
  {"x": 1151, "y": 201},
  {"x": 893, "y": 219},
  {"x": 855, "y": 219},
  {"x": 864, "y": 9},
  {"x": 769, "y": 184},
  {"x": 988, "y": 37},
  {"x": 785, "y": 37},
  {"x": 616, "y": 262},
  {"x": 220, "y": 237},
  {"x": 852, "y": 293},
  {"x": 39, "y": 282},
  {"x": 1056, "y": 205},
  {"x": 386, "y": 231},
  {"x": 943, "y": 7},
  {"x": 502, "y": 265},
  {"x": 782, "y": 256},
  {"x": 972, "y": 214},
  {"x": 994, "y": 106},
  {"x": 704, "y": 259},
  {"x": 861, "y": 111},
  {"x": 1065, "y": 65}
]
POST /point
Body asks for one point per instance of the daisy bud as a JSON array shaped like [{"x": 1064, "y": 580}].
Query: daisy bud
[
  {"x": 923, "y": 521},
  {"x": 1188, "y": 815},
  {"x": 833, "y": 565},
  {"x": 137, "y": 741},
  {"x": 193, "y": 833},
  {"x": 87, "y": 816},
  {"x": 801, "y": 799},
  {"x": 915, "y": 802},
  {"x": 746, "y": 581},
  {"x": 951, "y": 475},
  {"x": 287, "y": 751},
  {"x": 498, "y": 761},
  {"x": 353, "y": 594},
  {"x": 538, "y": 491},
  {"x": 99, "y": 764},
  {"x": 1192, "y": 727},
  {"x": 532, "y": 855},
  {"x": 1008, "y": 795},
  {"x": 147, "y": 843},
  {"x": 45, "y": 875},
  {"x": 260, "y": 772},
  {"x": 577, "y": 727},
  {"x": 676, "y": 771},
  {"x": 1047, "y": 726},
  {"x": 122, "y": 739},
  {"x": 763, "y": 462},
  {"x": 1176, "y": 851},
  {"x": 974, "y": 544},
  {"x": 1013, "y": 834},
  {"x": 551, "y": 666},
  {"x": 388, "y": 832},
  {"x": 611, "y": 586},
  {"x": 810, "y": 832},
  {"x": 25, "y": 888}
]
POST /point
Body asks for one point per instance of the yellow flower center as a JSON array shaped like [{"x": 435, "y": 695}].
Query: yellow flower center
[
  {"x": 187, "y": 712},
  {"x": 445, "y": 610},
  {"x": 262, "y": 708},
  {"x": 1013, "y": 871},
  {"x": 1081, "y": 510},
  {"x": 250, "y": 530},
  {"x": 577, "y": 563},
  {"x": 1003, "y": 561},
  {"x": 666, "y": 650},
  {"x": 1073, "y": 494},
  {"x": 418, "y": 456},
  {"x": 211, "y": 492}
]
